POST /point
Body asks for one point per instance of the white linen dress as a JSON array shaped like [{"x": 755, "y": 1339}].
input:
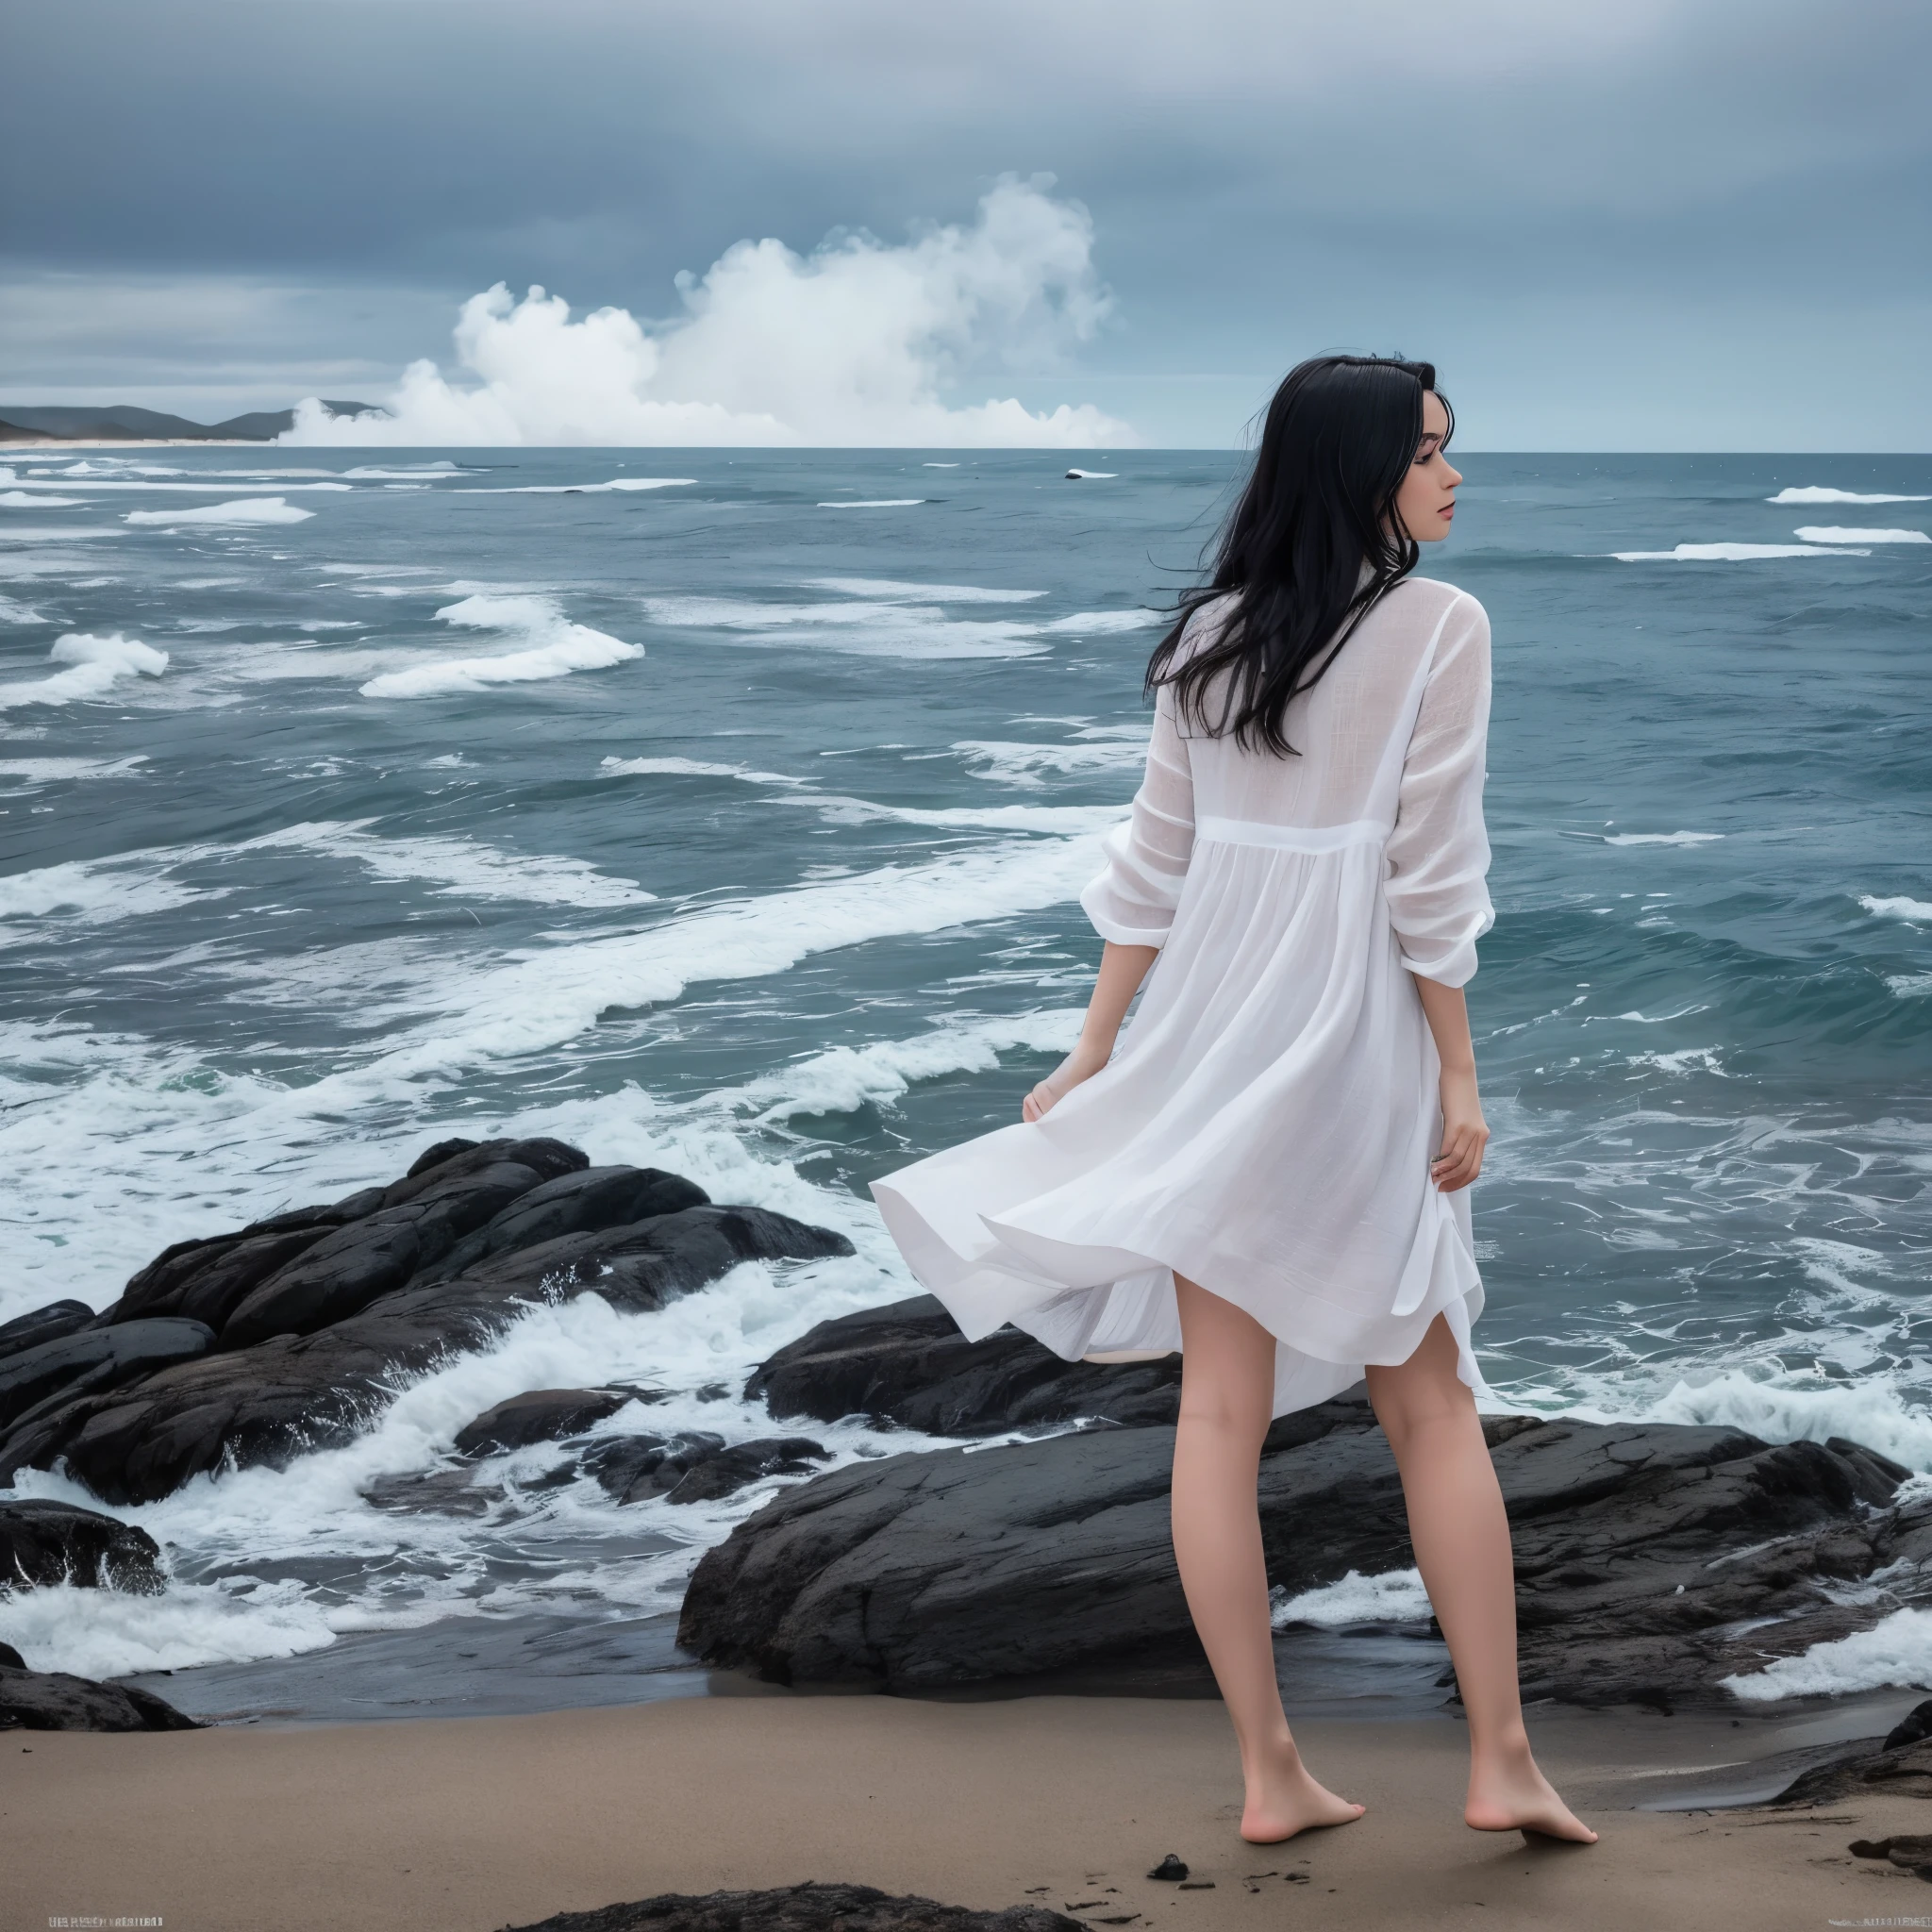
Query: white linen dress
[{"x": 1266, "y": 1124}]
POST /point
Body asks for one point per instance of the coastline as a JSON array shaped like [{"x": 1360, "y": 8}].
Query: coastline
[{"x": 462, "y": 1824}]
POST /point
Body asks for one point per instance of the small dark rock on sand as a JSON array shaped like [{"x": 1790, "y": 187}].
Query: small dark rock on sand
[
  {"x": 53, "y": 1701},
  {"x": 800, "y": 1909},
  {"x": 1170, "y": 1869}
]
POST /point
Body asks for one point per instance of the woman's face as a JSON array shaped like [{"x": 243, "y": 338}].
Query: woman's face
[{"x": 1425, "y": 503}]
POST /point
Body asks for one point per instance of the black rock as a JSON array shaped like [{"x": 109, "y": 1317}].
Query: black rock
[
  {"x": 1866, "y": 1771},
  {"x": 53, "y": 1701},
  {"x": 1170, "y": 1869},
  {"x": 1916, "y": 1723},
  {"x": 43, "y": 1325},
  {"x": 420, "y": 1221},
  {"x": 800, "y": 1909},
  {"x": 694, "y": 1467},
  {"x": 93, "y": 1359},
  {"x": 907, "y": 1364},
  {"x": 544, "y": 1415},
  {"x": 586, "y": 1201},
  {"x": 286, "y": 1395},
  {"x": 42, "y": 1542},
  {"x": 955, "y": 1567},
  {"x": 10, "y": 1659}
]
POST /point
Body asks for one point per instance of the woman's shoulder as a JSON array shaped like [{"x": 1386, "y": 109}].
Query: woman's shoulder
[{"x": 1437, "y": 597}]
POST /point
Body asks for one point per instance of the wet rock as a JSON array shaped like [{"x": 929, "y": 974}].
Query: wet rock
[
  {"x": 1864, "y": 1771},
  {"x": 907, "y": 1364},
  {"x": 339, "y": 1274},
  {"x": 91, "y": 1359},
  {"x": 44, "y": 1542},
  {"x": 544, "y": 1415},
  {"x": 434, "y": 1493},
  {"x": 586, "y": 1201},
  {"x": 1912, "y": 1851},
  {"x": 694, "y": 1467},
  {"x": 290, "y": 1396},
  {"x": 810, "y": 1907},
  {"x": 1639, "y": 1547},
  {"x": 43, "y": 1325},
  {"x": 1916, "y": 1723},
  {"x": 53, "y": 1701},
  {"x": 10, "y": 1659}
]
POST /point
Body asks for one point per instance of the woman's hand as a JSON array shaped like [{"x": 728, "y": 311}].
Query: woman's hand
[
  {"x": 1081, "y": 1064},
  {"x": 1465, "y": 1133}
]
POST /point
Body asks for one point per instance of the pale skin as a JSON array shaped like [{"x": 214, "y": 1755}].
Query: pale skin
[{"x": 1456, "y": 1521}]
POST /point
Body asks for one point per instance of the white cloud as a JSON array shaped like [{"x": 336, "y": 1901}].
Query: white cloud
[{"x": 853, "y": 345}]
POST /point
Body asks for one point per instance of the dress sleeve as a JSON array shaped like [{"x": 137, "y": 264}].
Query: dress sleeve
[
  {"x": 1133, "y": 899},
  {"x": 1439, "y": 851}
]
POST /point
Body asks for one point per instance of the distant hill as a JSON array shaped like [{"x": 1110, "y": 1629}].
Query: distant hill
[{"x": 123, "y": 421}]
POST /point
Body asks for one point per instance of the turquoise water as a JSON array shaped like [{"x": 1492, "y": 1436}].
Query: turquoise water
[{"x": 784, "y": 896}]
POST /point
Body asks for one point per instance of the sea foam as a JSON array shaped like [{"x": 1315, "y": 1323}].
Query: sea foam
[
  {"x": 1813, "y": 493},
  {"x": 1728, "y": 553},
  {"x": 253, "y": 510},
  {"x": 95, "y": 666},
  {"x": 1395, "y": 1596},
  {"x": 1830, "y": 533},
  {"x": 554, "y": 647},
  {"x": 1894, "y": 1654}
]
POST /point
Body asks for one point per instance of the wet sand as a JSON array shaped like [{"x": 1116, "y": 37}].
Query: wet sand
[{"x": 474, "y": 1824}]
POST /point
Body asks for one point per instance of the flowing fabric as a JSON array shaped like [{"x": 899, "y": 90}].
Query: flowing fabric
[{"x": 1265, "y": 1124}]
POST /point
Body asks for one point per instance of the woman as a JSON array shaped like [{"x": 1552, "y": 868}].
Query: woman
[{"x": 1270, "y": 1173}]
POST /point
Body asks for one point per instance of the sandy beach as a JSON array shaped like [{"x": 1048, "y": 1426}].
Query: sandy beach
[{"x": 470, "y": 1824}]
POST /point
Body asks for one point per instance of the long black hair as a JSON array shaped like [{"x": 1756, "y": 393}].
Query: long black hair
[{"x": 1320, "y": 502}]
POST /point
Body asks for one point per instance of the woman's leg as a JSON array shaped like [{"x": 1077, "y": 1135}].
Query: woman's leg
[
  {"x": 1462, "y": 1539},
  {"x": 1227, "y": 1386}
]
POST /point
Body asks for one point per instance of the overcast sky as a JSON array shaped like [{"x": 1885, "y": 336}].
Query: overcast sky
[{"x": 1644, "y": 224}]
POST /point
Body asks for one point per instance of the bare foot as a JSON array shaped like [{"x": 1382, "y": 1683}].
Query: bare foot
[
  {"x": 1508, "y": 1793},
  {"x": 1283, "y": 1800}
]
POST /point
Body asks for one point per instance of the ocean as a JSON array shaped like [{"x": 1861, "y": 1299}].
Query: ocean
[{"x": 724, "y": 811}]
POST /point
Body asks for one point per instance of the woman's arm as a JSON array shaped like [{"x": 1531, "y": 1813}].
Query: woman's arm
[
  {"x": 1121, "y": 970},
  {"x": 1465, "y": 1133}
]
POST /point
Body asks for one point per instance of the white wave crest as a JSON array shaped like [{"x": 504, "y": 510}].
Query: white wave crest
[
  {"x": 1895, "y": 908},
  {"x": 1728, "y": 553},
  {"x": 97, "y": 664},
  {"x": 691, "y": 767},
  {"x": 113, "y": 1633},
  {"x": 852, "y": 346},
  {"x": 1396, "y": 1596},
  {"x": 573, "y": 488},
  {"x": 1661, "y": 838},
  {"x": 1062, "y": 819},
  {"x": 1090, "y": 475},
  {"x": 1024, "y": 764},
  {"x": 1896, "y": 1653},
  {"x": 89, "y": 893},
  {"x": 22, "y": 499},
  {"x": 888, "y": 588},
  {"x": 459, "y": 868},
  {"x": 49, "y": 771},
  {"x": 858, "y": 627},
  {"x": 249, "y": 510},
  {"x": 1831, "y": 533},
  {"x": 13, "y": 611},
  {"x": 847, "y": 1078},
  {"x": 554, "y": 647},
  {"x": 876, "y": 503},
  {"x": 1814, "y": 493},
  {"x": 1104, "y": 623}
]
